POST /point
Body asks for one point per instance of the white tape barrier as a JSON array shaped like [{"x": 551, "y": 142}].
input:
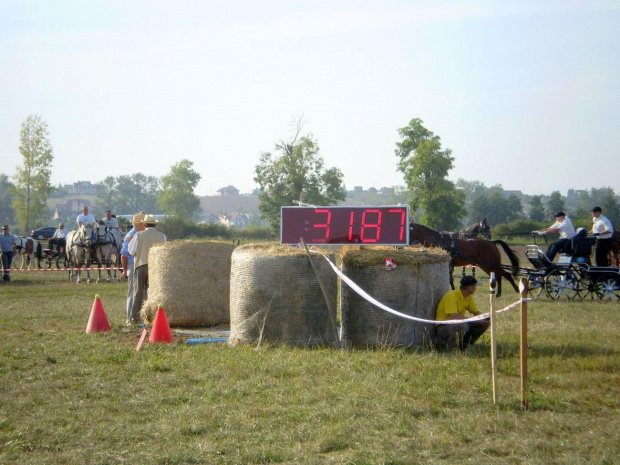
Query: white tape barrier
[
  {"x": 376, "y": 303},
  {"x": 12, "y": 270}
]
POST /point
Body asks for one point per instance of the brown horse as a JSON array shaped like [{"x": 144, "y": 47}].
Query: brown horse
[
  {"x": 478, "y": 252},
  {"x": 615, "y": 248}
]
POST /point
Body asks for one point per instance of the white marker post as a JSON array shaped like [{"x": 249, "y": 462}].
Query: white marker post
[
  {"x": 492, "y": 284},
  {"x": 524, "y": 288}
]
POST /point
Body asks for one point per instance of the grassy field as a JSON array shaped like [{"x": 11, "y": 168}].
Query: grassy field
[{"x": 67, "y": 397}]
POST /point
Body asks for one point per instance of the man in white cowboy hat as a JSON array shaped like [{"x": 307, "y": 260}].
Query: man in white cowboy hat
[
  {"x": 139, "y": 247},
  {"x": 127, "y": 260}
]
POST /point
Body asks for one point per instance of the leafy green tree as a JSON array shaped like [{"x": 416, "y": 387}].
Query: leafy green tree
[
  {"x": 176, "y": 196},
  {"x": 107, "y": 192},
  {"x": 297, "y": 172},
  {"x": 503, "y": 209},
  {"x": 611, "y": 210},
  {"x": 555, "y": 203},
  {"x": 425, "y": 167},
  {"x": 480, "y": 207},
  {"x": 32, "y": 180},
  {"x": 128, "y": 194},
  {"x": 537, "y": 209},
  {"x": 7, "y": 212}
]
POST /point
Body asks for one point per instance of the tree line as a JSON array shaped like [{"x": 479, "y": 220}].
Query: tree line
[{"x": 295, "y": 173}]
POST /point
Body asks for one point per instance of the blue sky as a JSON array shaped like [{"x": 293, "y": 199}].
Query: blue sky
[{"x": 525, "y": 93}]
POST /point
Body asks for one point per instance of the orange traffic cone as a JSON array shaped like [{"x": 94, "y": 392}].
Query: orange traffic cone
[
  {"x": 98, "y": 320},
  {"x": 161, "y": 329}
]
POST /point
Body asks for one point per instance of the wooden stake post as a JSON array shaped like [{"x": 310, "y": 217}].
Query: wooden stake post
[
  {"x": 492, "y": 284},
  {"x": 523, "y": 287}
]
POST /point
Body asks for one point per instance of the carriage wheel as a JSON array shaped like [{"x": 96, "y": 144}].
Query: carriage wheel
[
  {"x": 607, "y": 287},
  {"x": 536, "y": 286},
  {"x": 61, "y": 262},
  {"x": 586, "y": 287},
  {"x": 47, "y": 262},
  {"x": 562, "y": 283}
]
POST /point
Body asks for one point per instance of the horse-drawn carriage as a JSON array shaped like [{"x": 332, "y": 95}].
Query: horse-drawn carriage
[
  {"x": 100, "y": 245},
  {"x": 573, "y": 275}
]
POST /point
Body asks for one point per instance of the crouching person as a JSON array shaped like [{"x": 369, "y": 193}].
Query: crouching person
[{"x": 454, "y": 306}]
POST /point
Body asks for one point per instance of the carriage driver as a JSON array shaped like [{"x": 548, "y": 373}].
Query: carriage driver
[
  {"x": 564, "y": 226},
  {"x": 87, "y": 218},
  {"x": 603, "y": 230},
  {"x": 59, "y": 239},
  {"x": 110, "y": 221}
]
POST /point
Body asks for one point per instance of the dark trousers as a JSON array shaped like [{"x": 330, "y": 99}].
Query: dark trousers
[
  {"x": 463, "y": 334},
  {"x": 557, "y": 246},
  {"x": 602, "y": 247},
  {"x": 140, "y": 291},
  {"x": 7, "y": 260}
]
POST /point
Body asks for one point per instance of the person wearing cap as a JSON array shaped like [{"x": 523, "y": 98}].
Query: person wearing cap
[
  {"x": 8, "y": 248},
  {"x": 564, "y": 226},
  {"x": 139, "y": 247},
  {"x": 603, "y": 231},
  {"x": 127, "y": 260},
  {"x": 455, "y": 305},
  {"x": 59, "y": 239}
]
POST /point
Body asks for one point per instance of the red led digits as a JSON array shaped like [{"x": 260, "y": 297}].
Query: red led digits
[
  {"x": 326, "y": 225},
  {"x": 351, "y": 218},
  {"x": 403, "y": 220},
  {"x": 380, "y": 225},
  {"x": 376, "y": 227}
]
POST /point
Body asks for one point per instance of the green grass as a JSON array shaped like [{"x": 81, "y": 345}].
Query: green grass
[{"x": 67, "y": 397}]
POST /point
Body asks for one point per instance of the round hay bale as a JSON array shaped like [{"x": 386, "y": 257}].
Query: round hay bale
[
  {"x": 275, "y": 296},
  {"x": 192, "y": 281},
  {"x": 414, "y": 287}
]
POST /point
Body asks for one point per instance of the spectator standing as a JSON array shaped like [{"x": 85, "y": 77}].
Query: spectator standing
[
  {"x": 8, "y": 248},
  {"x": 127, "y": 261},
  {"x": 564, "y": 226},
  {"x": 453, "y": 306},
  {"x": 139, "y": 247},
  {"x": 603, "y": 231}
]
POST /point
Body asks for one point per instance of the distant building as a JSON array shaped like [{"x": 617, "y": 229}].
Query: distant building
[
  {"x": 227, "y": 191},
  {"x": 507, "y": 193},
  {"x": 81, "y": 188},
  {"x": 358, "y": 189},
  {"x": 208, "y": 217},
  {"x": 235, "y": 220}
]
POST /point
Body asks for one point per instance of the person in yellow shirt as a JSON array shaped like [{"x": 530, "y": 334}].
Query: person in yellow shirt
[{"x": 455, "y": 305}]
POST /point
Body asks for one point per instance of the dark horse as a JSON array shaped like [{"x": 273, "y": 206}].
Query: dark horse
[
  {"x": 471, "y": 232},
  {"x": 478, "y": 252}
]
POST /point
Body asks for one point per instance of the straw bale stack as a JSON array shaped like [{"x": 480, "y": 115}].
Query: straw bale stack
[
  {"x": 414, "y": 287},
  {"x": 275, "y": 296},
  {"x": 191, "y": 280}
]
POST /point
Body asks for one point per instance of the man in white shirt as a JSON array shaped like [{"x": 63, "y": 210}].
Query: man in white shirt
[
  {"x": 110, "y": 221},
  {"x": 59, "y": 239},
  {"x": 603, "y": 231},
  {"x": 564, "y": 226},
  {"x": 139, "y": 247},
  {"x": 86, "y": 218}
]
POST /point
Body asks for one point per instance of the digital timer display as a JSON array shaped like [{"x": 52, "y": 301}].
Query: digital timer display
[{"x": 385, "y": 225}]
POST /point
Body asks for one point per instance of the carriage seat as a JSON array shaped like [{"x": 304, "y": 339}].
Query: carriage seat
[
  {"x": 537, "y": 257},
  {"x": 581, "y": 244}
]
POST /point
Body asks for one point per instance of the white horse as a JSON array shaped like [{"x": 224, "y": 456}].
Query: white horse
[
  {"x": 79, "y": 243},
  {"x": 27, "y": 250},
  {"x": 107, "y": 245}
]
